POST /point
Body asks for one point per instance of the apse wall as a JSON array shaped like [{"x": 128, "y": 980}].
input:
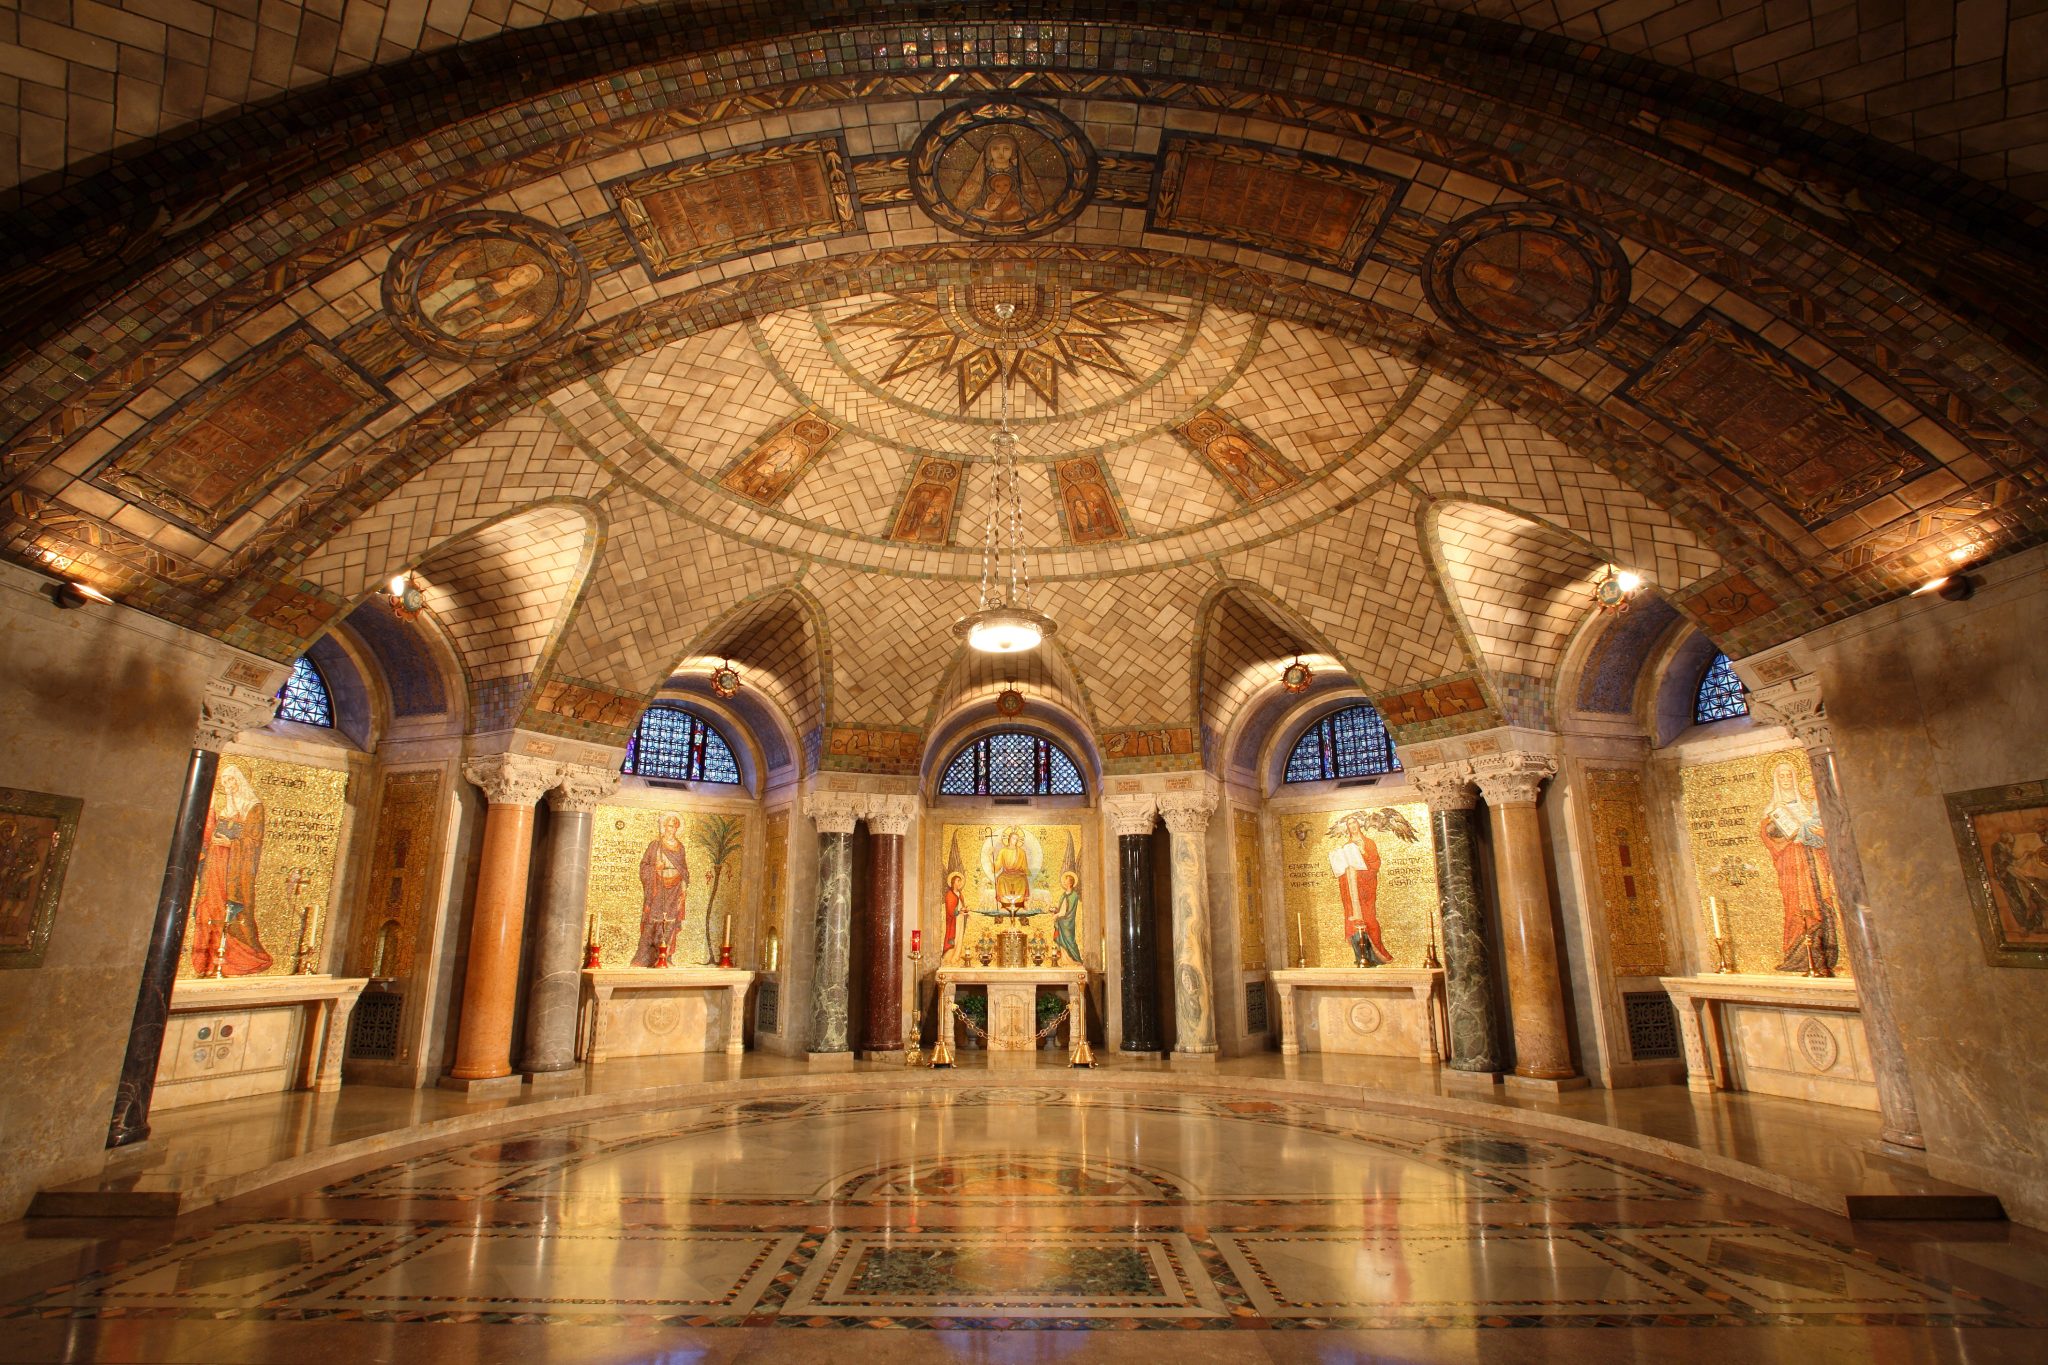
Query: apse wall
[
  {"x": 1928, "y": 699},
  {"x": 97, "y": 704}
]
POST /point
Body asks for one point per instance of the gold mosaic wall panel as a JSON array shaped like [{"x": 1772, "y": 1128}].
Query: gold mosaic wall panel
[
  {"x": 977, "y": 861},
  {"x": 273, "y": 842},
  {"x": 1628, "y": 873},
  {"x": 714, "y": 849},
  {"x": 1759, "y": 849},
  {"x": 387, "y": 925},
  {"x": 1313, "y": 847},
  {"x": 1251, "y": 876},
  {"x": 774, "y": 892}
]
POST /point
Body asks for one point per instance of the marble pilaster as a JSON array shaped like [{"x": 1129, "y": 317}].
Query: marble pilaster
[
  {"x": 888, "y": 820},
  {"x": 554, "y": 994},
  {"x": 1535, "y": 985},
  {"x": 511, "y": 783},
  {"x": 1468, "y": 962},
  {"x": 1133, "y": 818},
  {"x": 1187, "y": 820},
  {"x": 835, "y": 817},
  {"x": 242, "y": 697},
  {"x": 1796, "y": 704}
]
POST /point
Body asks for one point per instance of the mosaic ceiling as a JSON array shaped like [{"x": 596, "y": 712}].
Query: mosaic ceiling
[{"x": 1336, "y": 357}]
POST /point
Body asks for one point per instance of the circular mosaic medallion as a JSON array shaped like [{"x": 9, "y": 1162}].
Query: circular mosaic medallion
[
  {"x": 725, "y": 681},
  {"x": 1296, "y": 677},
  {"x": 1527, "y": 279},
  {"x": 1002, "y": 168},
  {"x": 1009, "y": 702},
  {"x": 484, "y": 286},
  {"x": 1817, "y": 1044}
]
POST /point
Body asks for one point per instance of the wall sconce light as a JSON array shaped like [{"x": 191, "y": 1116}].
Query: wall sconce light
[
  {"x": 70, "y": 594},
  {"x": 1950, "y": 587},
  {"x": 1616, "y": 589}
]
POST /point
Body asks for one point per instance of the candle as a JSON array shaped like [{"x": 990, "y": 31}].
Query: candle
[
  {"x": 916, "y": 942},
  {"x": 1714, "y": 909}
]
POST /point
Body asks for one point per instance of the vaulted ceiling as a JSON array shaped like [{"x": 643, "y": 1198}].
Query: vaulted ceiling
[{"x": 1366, "y": 338}]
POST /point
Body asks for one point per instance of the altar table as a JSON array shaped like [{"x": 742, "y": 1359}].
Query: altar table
[
  {"x": 254, "y": 1035},
  {"x": 1391, "y": 1010},
  {"x": 1013, "y": 1000},
  {"x": 1797, "y": 1036},
  {"x": 656, "y": 1011}
]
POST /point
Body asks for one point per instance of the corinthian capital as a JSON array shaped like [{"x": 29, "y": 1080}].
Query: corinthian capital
[
  {"x": 889, "y": 814},
  {"x": 583, "y": 789},
  {"x": 1511, "y": 779},
  {"x": 834, "y": 812},
  {"x": 1187, "y": 813},
  {"x": 229, "y": 708},
  {"x": 1445, "y": 786},
  {"x": 1797, "y": 705},
  {"x": 512, "y": 779},
  {"x": 1131, "y": 814}
]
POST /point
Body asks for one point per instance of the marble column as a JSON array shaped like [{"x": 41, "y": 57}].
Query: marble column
[
  {"x": 888, "y": 820},
  {"x": 1194, "y": 1017},
  {"x": 1797, "y": 705},
  {"x": 831, "y": 965},
  {"x": 1468, "y": 963},
  {"x": 1133, "y": 818},
  {"x": 512, "y": 783},
  {"x": 228, "y": 708},
  {"x": 1535, "y": 985},
  {"x": 555, "y": 992}
]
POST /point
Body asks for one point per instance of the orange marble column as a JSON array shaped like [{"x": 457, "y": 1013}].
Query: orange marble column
[
  {"x": 490, "y": 991},
  {"x": 1529, "y": 946}
]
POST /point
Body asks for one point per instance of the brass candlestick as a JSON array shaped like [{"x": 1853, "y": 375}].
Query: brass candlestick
[
  {"x": 303, "y": 965},
  {"x": 913, "y": 1051},
  {"x": 1082, "y": 1054},
  {"x": 1724, "y": 955},
  {"x": 220, "y": 951},
  {"x": 1429, "y": 959}
]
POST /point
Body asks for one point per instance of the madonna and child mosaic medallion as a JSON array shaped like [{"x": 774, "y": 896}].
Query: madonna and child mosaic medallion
[
  {"x": 1002, "y": 168},
  {"x": 484, "y": 286},
  {"x": 1527, "y": 279}
]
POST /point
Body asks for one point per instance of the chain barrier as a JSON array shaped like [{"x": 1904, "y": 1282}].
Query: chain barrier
[{"x": 1039, "y": 1037}]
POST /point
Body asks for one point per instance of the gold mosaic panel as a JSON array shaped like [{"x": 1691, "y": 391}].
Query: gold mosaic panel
[
  {"x": 267, "y": 864},
  {"x": 1251, "y": 876},
  {"x": 714, "y": 848},
  {"x": 685, "y": 215},
  {"x": 977, "y": 862},
  {"x": 387, "y": 925},
  {"x": 1628, "y": 874},
  {"x": 1315, "y": 844},
  {"x": 1752, "y": 823},
  {"x": 774, "y": 892}
]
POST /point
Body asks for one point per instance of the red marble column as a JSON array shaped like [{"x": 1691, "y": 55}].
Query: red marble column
[
  {"x": 882, "y": 1022},
  {"x": 490, "y": 991}
]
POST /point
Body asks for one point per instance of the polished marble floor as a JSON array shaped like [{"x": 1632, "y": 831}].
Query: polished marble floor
[{"x": 1018, "y": 1221}]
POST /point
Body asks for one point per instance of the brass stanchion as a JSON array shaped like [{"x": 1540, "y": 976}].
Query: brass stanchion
[{"x": 1082, "y": 1055}]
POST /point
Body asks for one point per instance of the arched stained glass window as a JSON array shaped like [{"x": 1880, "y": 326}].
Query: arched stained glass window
[
  {"x": 1720, "y": 696},
  {"x": 304, "y": 698},
  {"x": 1012, "y": 763},
  {"x": 681, "y": 746},
  {"x": 1352, "y": 742}
]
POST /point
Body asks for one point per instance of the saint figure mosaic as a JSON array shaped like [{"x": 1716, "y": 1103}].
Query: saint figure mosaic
[{"x": 1002, "y": 168}]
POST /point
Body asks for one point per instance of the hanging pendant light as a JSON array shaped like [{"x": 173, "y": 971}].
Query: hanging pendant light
[{"x": 1003, "y": 621}]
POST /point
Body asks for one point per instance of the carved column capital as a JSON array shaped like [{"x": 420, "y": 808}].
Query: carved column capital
[
  {"x": 1512, "y": 779},
  {"x": 1445, "y": 786},
  {"x": 1187, "y": 813},
  {"x": 512, "y": 779},
  {"x": 889, "y": 814},
  {"x": 833, "y": 812},
  {"x": 241, "y": 695},
  {"x": 1131, "y": 814},
  {"x": 583, "y": 789},
  {"x": 1796, "y": 704}
]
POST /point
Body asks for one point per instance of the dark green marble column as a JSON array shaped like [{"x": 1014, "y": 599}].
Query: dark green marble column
[
  {"x": 1468, "y": 963},
  {"x": 831, "y": 967}
]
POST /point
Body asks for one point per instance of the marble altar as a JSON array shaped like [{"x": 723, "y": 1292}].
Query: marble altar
[
  {"x": 252, "y": 1035},
  {"x": 1376, "y": 1011},
  {"x": 656, "y": 1011},
  {"x": 1801, "y": 1037},
  {"x": 1012, "y": 999}
]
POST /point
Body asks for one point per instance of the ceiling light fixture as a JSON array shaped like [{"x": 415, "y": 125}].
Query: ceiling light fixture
[
  {"x": 1296, "y": 676},
  {"x": 1003, "y": 621},
  {"x": 1950, "y": 587},
  {"x": 1616, "y": 589},
  {"x": 725, "y": 680},
  {"x": 406, "y": 596}
]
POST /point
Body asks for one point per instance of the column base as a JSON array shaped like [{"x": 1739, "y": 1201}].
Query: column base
[
  {"x": 569, "y": 1078},
  {"x": 829, "y": 1061},
  {"x": 1197, "y": 1060},
  {"x": 483, "y": 1087},
  {"x": 1547, "y": 1085},
  {"x": 884, "y": 1054},
  {"x": 1469, "y": 1080},
  {"x": 1912, "y": 1143},
  {"x": 1153, "y": 1048}
]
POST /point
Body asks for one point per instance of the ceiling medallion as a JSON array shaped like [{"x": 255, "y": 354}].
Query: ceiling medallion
[
  {"x": 725, "y": 680},
  {"x": 1296, "y": 676},
  {"x": 1049, "y": 330},
  {"x": 1002, "y": 168},
  {"x": 1003, "y": 621},
  {"x": 1527, "y": 279},
  {"x": 1616, "y": 589},
  {"x": 484, "y": 286},
  {"x": 1009, "y": 702}
]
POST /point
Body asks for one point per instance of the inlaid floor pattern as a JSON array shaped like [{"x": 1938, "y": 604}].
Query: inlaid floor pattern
[{"x": 1019, "y": 1210}]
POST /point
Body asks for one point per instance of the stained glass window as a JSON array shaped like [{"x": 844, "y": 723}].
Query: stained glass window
[
  {"x": 1012, "y": 763},
  {"x": 1720, "y": 696},
  {"x": 1352, "y": 742},
  {"x": 304, "y": 698},
  {"x": 681, "y": 746}
]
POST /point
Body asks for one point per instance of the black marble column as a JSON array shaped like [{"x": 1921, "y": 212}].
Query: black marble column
[
  {"x": 1140, "y": 973},
  {"x": 160, "y": 963}
]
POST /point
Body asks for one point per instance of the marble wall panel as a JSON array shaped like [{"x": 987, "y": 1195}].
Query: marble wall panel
[
  {"x": 225, "y": 1056},
  {"x": 1801, "y": 1055}
]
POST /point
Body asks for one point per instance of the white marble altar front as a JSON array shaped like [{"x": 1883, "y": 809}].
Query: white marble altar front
[
  {"x": 1013, "y": 1000},
  {"x": 252, "y": 1035},
  {"x": 656, "y": 1011},
  {"x": 1795, "y": 1036},
  {"x": 1374, "y": 1011}
]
